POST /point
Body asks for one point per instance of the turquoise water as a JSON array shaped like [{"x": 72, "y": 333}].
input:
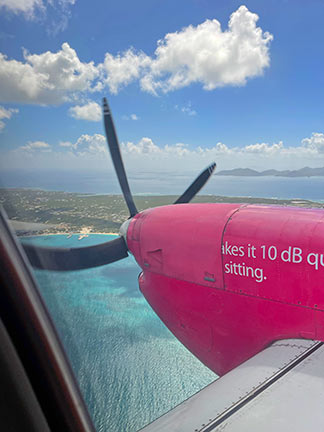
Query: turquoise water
[{"x": 130, "y": 368}]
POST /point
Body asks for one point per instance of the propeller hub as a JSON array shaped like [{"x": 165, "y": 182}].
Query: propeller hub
[{"x": 124, "y": 228}]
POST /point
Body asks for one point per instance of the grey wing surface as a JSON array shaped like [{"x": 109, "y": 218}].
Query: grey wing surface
[{"x": 281, "y": 388}]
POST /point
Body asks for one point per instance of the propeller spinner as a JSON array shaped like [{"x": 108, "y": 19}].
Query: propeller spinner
[{"x": 64, "y": 259}]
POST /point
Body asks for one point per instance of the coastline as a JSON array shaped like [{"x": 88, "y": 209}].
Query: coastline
[
  {"x": 65, "y": 234},
  {"x": 69, "y": 215}
]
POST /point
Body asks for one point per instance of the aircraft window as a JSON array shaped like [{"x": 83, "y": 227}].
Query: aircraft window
[{"x": 130, "y": 368}]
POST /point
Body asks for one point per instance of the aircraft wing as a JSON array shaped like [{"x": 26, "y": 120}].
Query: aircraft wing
[{"x": 281, "y": 388}]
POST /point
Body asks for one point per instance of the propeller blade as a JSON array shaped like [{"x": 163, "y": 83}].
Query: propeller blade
[
  {"x": 195, "y": 187},
  {"x": 117, "y": 159},
  {"x": 64, "y": 259}
]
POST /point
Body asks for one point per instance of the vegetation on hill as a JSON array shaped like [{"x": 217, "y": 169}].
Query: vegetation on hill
[{"x": 71, "y": 212}]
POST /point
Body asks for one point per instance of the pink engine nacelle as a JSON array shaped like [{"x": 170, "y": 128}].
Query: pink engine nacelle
[{"x": 229, "y": 279}]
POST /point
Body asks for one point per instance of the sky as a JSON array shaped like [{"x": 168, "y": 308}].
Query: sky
[{"x": 189, "y": 82}]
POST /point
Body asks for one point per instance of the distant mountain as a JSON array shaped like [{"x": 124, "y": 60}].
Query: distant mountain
[
  {"x": 247, "y": 172},
  {"x": 242, "y": 172}
]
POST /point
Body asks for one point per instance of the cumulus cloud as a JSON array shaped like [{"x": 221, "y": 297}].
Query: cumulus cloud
[
  {"x": 91, "y": 111},
  {"x": 86, "y": 144},
  {"x": 46, "y": 78},
  {"x": 122, "y": 69},
  {"x": 144, "y": 146},
  {"x": 258, "y": 156},
  {"x": 89, "y": 152},
  {"x": 263, "y": 148},
  {"x": 6, "y": 114},
  {"x": 203, "y": 54},
  {"x": 95, "y": 144},
  {"x": 147, "y": 150},
  {"x": 315, "y": 143}
]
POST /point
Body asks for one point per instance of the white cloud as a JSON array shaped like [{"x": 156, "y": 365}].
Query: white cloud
[
  {"x": 210, "y": 56},
  {"x": 36, "y": 146},
  {"x": 46, "y": 78},
  {"x": 87, "y": 153},
  {"x": 314, "y": 143},
  {"x": 95, "y": 144},
  {"x": 121, "y": 70},
  {"x": 58, "y": 11},
  {"x": 6, "y": 114},
  {"x": 91, "y": 111},
  {"x": 27, "y": 7},
  {"x": 258, "y": 156},
  {"x": 90, "y": 152},
  {"x": 203, "y": 54},
  {"x": 85, "y": 144},
  {"x": 264, "y": 148},
  {"x": 144, "y": 146}
]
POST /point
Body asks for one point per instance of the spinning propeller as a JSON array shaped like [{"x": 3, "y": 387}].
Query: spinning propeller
[{"x": 114, "y": 250}]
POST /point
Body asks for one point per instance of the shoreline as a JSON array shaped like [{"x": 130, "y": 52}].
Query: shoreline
[{"x": 66, "y": 234}]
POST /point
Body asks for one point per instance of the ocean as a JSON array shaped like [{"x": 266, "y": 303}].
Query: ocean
[
  {"x": 169, "y": 184},
  {"x": 130, "y": 368}
]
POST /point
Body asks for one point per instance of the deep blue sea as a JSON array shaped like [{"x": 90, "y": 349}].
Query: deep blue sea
[
  {"x": 130, "y": 368},
  {"x": 169, "y": 184}
]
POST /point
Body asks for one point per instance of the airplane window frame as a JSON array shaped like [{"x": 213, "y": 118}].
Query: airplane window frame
[{"x": 34, "y": 337}]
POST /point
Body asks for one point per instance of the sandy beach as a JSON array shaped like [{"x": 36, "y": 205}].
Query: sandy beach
[{"x": 64, "y": 234}]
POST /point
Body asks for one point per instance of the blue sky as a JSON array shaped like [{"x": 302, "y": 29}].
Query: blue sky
[{"x": 188, "y": 82}]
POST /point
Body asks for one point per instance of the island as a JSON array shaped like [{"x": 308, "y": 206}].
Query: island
[
  {"x": 248, "y": 172},
  {"x": 39, "y": 212}
]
